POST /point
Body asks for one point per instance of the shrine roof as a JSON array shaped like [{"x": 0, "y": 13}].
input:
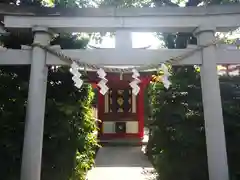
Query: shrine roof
[{"x": 6, "y": 9}]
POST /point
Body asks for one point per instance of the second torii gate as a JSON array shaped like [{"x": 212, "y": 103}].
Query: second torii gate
[{"x": 203, "y": 21}]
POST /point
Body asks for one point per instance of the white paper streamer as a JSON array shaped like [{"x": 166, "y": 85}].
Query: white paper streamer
[
  {"x": 74, "y": 70},
  {"x": 165, "y": 76},
  {"x": 102, "y": 83},
  {"x": 135, "y": 82}
]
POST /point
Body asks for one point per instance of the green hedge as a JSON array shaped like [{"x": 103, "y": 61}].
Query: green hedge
[
  {"x": 177, "y": 144},
  {"x": 69, "y": 141}
]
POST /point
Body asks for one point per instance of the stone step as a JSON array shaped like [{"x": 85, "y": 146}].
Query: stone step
[{"x": 122, "y": 142}]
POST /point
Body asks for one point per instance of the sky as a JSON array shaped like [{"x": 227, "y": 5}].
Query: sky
[{"x": 139, "y": 40}]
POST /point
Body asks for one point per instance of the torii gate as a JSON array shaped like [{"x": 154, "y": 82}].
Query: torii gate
[{"x": 202, "y": 21}]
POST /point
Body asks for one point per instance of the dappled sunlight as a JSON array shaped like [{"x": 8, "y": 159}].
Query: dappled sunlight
[{"x": 120, "y": 173}]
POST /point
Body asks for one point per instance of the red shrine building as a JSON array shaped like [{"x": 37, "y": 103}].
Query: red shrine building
[{"x": 120, "y": 111}]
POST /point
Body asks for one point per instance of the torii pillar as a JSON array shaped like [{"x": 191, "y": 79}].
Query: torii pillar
[
  {"x": 212, "y": 106},
  {"x": 34, "y": 124}
]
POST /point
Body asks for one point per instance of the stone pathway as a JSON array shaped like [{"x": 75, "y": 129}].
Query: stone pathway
[{"x": 121, "y": 163}]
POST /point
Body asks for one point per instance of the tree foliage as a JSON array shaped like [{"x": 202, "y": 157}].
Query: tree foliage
[
  {"x": 177, "y": 141},
  {"x": 70, "y": 141},
  {"x": 177, "y": 144}
]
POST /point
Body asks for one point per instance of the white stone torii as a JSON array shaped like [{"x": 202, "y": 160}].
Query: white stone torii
[
  {"x": 120, "y": 56},
  {"x": 203, "y": 21}
]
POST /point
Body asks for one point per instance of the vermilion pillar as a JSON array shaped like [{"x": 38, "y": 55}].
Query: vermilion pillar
[{"x": 140, "y": 110}]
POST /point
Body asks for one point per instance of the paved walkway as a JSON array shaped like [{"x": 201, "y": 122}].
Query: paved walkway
[{"x": 121, "y": 163}]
